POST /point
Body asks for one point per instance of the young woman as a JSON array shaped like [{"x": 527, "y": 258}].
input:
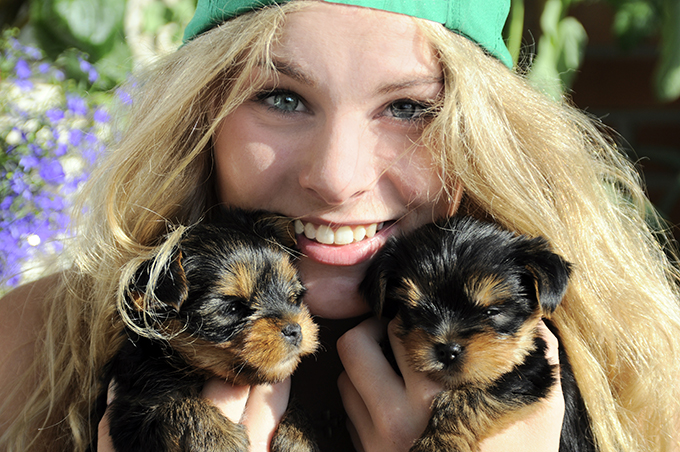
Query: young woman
[{"x": 361, "y": 121}]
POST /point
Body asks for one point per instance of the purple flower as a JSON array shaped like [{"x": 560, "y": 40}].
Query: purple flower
[
  {"x": 75, "y": 137},
  {"x": 60, "y": 150},
  {"x": 24, "y": 85},
  {"x": 86, "y": 66},
  {"x": 54, "y": 114},
  {"x": 22, "y": 69},
  {"x": 33, "y": 52},
  {"x": 29, "y": 161},
  {"x": 92, "y": 75},
  {"x": 51, "y": 171},
  {"x": 50, "y": 203},
  {"x": 77, "y": 105},
  {"x": 44, "y": 68},
  {"x": 35, "y": 149},
  {"x": 6, "y": 204},
  {"x": 101, "y": 116},
  {"x": 124, "y": 97}
]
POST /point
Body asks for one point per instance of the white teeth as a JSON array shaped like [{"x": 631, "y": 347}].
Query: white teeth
[
  {"x": 370, "y": 230},
  {"x": 325, "y": 235},
  {"x": 344, "y": 235},
  {"x": 310, "y": 231},
  {"x": 359, "y": 233}
]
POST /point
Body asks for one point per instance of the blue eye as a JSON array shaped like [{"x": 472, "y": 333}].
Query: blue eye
[
  {"x": 408, "y": 109},
  {"x": 283, "y": 101}
]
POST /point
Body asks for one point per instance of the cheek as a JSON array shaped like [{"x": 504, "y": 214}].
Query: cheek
[
  {"x": 420, "y": 183},
  {"x": 248, "y": 167}
]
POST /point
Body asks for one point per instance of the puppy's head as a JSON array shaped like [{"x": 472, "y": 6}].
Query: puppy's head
[
  {"x": 229, "y": 299},
  {"x": 467, "y": 296}
]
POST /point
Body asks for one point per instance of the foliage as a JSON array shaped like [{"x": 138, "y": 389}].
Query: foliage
[
  {"x": 50, "y": 134},
  {"x": 563, "y": 40}
]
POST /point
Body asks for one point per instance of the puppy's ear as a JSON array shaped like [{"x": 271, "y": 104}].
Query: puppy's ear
[
  {"x": 550, "y": 271},
  {"x": 375, "y": 282},
  {"x": 274, "y": 226},
  {"x": 267, "y": 225},
  {"x": 170, "y": 287}
]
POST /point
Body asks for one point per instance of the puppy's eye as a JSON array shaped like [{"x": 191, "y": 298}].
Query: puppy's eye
[
  {"x": 233, "y": 306},
  {"x": 493, "y": 311}
]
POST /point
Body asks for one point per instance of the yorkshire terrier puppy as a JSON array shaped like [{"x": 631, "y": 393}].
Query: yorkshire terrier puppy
[
  {"x": 227, "y": 304},
  {"x": 468, "y": 298}
]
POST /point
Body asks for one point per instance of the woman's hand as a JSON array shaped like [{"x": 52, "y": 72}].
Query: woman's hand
[
  {"x": 259, "y": 408},
  {"x": 387, "y": 413}
]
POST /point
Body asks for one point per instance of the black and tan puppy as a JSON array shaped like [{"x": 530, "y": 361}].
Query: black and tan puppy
[
  {"x": 468, "y": 298},
  {"x": 227, "y": 304}
]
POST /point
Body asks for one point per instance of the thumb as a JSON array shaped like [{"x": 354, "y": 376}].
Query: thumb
[
  {"x": 229, "y": 398},
  {"x": 264, "y": 410}
]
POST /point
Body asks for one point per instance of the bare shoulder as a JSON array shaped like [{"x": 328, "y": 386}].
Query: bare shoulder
[{"x": 22, "y": 316}]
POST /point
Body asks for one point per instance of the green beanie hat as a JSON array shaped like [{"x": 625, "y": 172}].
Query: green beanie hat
[{"x": 481, "y": 21}]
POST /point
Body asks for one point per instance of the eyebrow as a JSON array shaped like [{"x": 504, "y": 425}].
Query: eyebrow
[
  {"x": 293, "y": 71},
  {"x": 417, "y": 81}
]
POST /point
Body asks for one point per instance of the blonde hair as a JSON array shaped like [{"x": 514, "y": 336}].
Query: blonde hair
[
  {"x": 541, "y": 167},
  {"x": 528, "y": 163}
]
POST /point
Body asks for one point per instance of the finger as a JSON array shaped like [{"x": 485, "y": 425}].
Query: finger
[
  {"x": 354, "y": 436},
  {"x": 354, "y": 405},
  {"x": 230, "y": 399},
  {"x": 264, "y": 410},
  {"x": 538, "y": 432},
  {"x": 104, "y": 442},
  {"x": 420, "y": 388},
  {"x": 365, "y": 363}
]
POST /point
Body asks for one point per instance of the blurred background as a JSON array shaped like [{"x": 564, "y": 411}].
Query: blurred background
[{"x": 62, "y": 63}]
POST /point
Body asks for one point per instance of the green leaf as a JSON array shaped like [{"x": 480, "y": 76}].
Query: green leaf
[
  {"x": 560, "y": 50},
  {"x": 634, "y": 21},
  {"x": 667, "y": 76},
  {"x": 92, "y": 26}
]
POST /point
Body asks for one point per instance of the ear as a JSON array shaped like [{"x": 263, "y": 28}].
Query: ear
[
  {"x": 550, "y": 271},
  {"x": 264, "y": 224},
  {"x": 374, "y": 285},
  {"x": 275, "y": 226},
  {"x": 170, "y": 288}
]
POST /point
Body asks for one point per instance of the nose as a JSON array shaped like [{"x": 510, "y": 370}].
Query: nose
[
  {"x": 292, "y": 333},
  {"x": 448, "y": 353},
  {"x": 341, "y": 163}
]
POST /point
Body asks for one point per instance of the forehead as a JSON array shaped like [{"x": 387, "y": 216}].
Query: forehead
[{"x": 350, "y": 43}]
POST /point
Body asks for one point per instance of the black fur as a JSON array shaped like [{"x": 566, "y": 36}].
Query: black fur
[
  {"x": 228, "y": 304},
  {"x": 460, "y": 289}
]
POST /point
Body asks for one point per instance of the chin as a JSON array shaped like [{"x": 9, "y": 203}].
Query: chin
[{"x": 333, "y": 291}]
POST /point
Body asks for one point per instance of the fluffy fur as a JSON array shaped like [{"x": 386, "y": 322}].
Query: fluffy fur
[
  {"x": 468, "y": 298},
  {"x": 228, "y": 304}
]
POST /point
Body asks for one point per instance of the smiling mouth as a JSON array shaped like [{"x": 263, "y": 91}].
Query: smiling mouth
[{"x": 343, "y": 235}]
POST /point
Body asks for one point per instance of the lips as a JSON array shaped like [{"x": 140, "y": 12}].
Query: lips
[{"x": 342, "y": 245}]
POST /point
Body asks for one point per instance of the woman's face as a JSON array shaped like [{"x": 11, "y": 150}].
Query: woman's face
[{"x": 330, "y": 141}]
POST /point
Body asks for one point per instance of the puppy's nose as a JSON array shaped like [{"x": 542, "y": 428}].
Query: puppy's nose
[
  {"x": 448, "y": 353},
  {"x": 292, "y": 333}
]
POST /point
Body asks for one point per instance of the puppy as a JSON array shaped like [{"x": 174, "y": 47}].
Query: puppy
[
  {"x": 468, "y": 298},
  {"x": 228, "y": 305}
]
